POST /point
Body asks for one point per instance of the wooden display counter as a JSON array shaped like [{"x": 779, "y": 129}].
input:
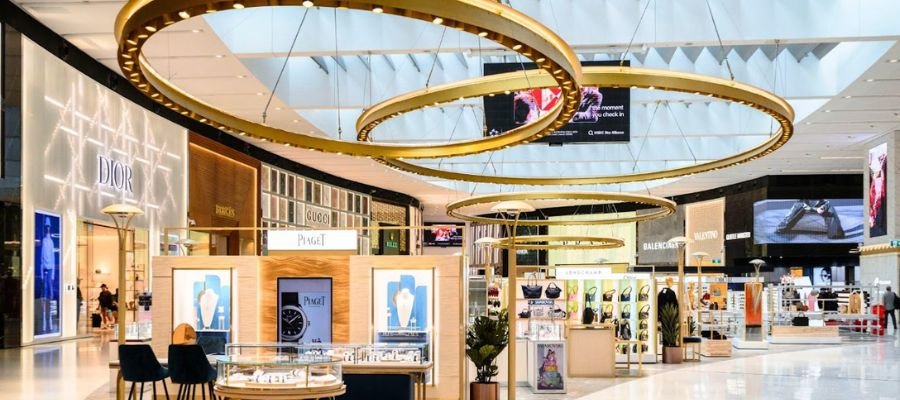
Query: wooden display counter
[
  {"x": 591, "y": 351},
  {"x": 715, "y": 348},
  {"x": 805, "y": 335}
]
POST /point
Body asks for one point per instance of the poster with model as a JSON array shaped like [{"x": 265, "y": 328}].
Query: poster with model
[
  {"x": 878, "y": 201},
  {"x": 202, "y": 298},
  {"x": 304, "y": 310},
  {"x": 403, "y": 304},
  {"x": 47, "y": 284},
  {"x": 551, "y": 367},
  {"x": 808, "y": 221}
]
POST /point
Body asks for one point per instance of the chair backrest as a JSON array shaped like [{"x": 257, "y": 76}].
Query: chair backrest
[
  {"x": 138, "y": 363},
  {"x": 188, "y": 364}
]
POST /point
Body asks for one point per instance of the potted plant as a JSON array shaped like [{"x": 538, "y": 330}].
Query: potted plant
[
  {"x": 485, "y": 340},
  {"x": 670, "y": 325}
]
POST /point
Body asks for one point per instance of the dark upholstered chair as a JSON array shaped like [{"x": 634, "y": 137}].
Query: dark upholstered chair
[
  {"x": 189, "y": 368},
  {"x": 139, "y": 365}
]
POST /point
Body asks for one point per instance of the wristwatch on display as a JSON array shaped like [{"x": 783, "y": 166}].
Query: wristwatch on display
[{"x": 293, "y": 319}]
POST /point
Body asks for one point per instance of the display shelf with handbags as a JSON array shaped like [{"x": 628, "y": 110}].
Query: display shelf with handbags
[
  {"x": 609, "y": 295},
  {"x": 531, "y": 289},
  {"x": 553, "y": 291},
  {"x": 626, "y": 295}
]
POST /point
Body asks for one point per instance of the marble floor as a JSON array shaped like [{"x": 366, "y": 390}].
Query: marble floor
[{"x": 77, "y": 369}]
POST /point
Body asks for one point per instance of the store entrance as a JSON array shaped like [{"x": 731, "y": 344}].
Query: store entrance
[{"x": 98, "y": 265}]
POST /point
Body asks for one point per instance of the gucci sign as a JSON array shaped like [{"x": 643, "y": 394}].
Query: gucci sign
[{"x": 316, "y": 216}]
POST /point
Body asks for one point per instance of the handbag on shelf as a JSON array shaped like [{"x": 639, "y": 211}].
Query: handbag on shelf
[
  {"x": 525, "y": 314},
  {"x": 644, "y": 313},
  {"x": 626, "y": 311},
  {"x": 624, "y": 330},
  {"x": 590, "y": 295},
  {"x": 642, "y": 324},
  {"x": 800, "y": 320},
  {"x": 607, "y": 311},
  {"x": 552, "y": 291},
  {"x": 608, "y": 295},
  {"x": 644, "y": 293},
  {"x": 493, "y": 291},
  {"x": 643, "y": 335},
  {"x": 626, "y": 295},
  {"x": 558, "y": 313},
  {"x": 644, "y": 348},
  {"x": 531, "y": 290}
]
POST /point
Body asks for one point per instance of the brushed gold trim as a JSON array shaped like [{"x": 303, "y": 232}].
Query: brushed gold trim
[
  {"x": 666, "y": 207},
  {"x": 138, "y": 20},
  {"x": 672, "y": 81},
  {"x": 559, "y": 242},
  {"x": 875, "y": 249}
]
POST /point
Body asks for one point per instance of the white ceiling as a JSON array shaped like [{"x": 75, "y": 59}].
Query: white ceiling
[{"x": 832, "y": 58}]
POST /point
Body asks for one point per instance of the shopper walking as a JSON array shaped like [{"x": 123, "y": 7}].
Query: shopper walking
[
  {"x": 106, "y": 303},
  {"x": 889, "y": 300}
]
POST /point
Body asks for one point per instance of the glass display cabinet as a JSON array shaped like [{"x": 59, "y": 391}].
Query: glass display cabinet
[
  {"x": 262, "y": 371},
  {"x": 355, "y": 354}
]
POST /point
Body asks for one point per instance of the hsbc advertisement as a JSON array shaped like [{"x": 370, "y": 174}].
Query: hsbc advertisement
[{"x": 653, "y": 247}]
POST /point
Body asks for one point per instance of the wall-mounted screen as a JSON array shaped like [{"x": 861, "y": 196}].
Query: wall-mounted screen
[
  {"x": 796, "y": 221},
  {"x": 443, "y": 235},
  {"x": 47, "y": 283},
  {"x": 602, "y": 116},
  {"x": 878, "y": 190},
  {"x": 304, "y": 310}
]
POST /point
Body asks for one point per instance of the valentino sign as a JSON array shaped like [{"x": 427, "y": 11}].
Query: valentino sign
[{"x": 115, "y": 174}]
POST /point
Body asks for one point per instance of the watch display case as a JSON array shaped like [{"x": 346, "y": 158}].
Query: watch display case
[{"x": 263, "y": 367}]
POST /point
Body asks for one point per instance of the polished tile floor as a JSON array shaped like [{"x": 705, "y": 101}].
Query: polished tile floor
[{"x": 865, "y": 370}]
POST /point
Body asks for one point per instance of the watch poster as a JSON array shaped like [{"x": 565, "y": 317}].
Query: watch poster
[
  {"x": 403, "y": 302},
  {"x": 304, "y": 310},
  {"x": 550, "y": 367},
  {"x": 208, "y": 309},
  {"x": 47, "y": 284}
]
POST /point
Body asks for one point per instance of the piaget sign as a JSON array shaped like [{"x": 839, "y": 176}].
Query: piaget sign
[{"x": 311, "y": 240}]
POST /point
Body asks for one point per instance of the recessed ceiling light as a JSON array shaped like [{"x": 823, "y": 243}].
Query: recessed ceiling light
[
  {"x": 438, "y": 20},
  {"x": 241, "y": 76},
  {"x": 870, "y": 80},
  {"x": 808, "y": 123},
  {"x": 308, "y": 4},
  {"x": 377, "y": 10},
  {"x": 196, "y": 30},
  {"x": 184, "y": 14},
  {"x": 482, "y": 34},
  {"x": 277, "y": 108},
  {"x": 220, "y": 56},
  {"x": 238, "y": 6},
  {"x": 893, "y": 60},
  {"x": 848, "y": 96},
  {"x": 259, "y": 93},
  {"x": 828, "y": 111}
]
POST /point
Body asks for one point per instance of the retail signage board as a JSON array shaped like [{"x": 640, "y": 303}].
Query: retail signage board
[
  {"x": 582, "y": 272},
  {"x": 317, "y": 216},
  {"x": 312, "y": 240},
  {"x": 736, "y": 236},
  {"x": 541, "y": 302}
]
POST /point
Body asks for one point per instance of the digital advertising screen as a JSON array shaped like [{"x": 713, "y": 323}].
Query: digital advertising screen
[
  {"x": 878, "y": 191},
  {"x": 304, "y": 310},
  {"x": 795, "y": 221},
  {"x": 47, "y": 282},
  {"x": 443, "y": 235},
  {"x": 603, "y": 115}
]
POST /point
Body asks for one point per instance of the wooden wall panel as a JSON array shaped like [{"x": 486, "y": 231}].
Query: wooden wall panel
[
  {"x": 244, "y": 295},
  {"x": 335, "y": 267}
]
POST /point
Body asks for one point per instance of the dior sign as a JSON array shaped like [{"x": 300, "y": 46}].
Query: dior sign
[{"x": 115, "y": 174}]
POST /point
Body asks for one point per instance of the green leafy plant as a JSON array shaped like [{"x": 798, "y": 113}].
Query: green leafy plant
[
  {"x": 486, "y": 338},
  {"x": 692, "y": 326},
  {"x": 670, "y": 325}
]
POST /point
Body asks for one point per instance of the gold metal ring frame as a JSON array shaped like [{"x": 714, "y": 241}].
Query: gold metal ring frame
[
  {"x": 141, "y": 19},
  {"x": 615, "y": 77},
  {"x": 561, "y": 242},
  {"x": 665, "y": 207}
]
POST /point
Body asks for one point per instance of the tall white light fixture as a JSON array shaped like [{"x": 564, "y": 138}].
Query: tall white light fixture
[
  {"x": 121, "y": 214},
  {"x": 680, "y": 242},
  {"x": 511, "y": 211}
]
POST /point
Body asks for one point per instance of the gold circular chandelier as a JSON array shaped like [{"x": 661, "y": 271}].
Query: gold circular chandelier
[
  {"x": 561, "y": 242},
  {"x": 623, "y": 77},
  {"x": 141, "y": 19},
  {"x": 665, "y": 207}
]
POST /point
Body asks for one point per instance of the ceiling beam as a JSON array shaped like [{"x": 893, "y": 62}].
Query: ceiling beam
[
  {"x": 415, "y": 63},
  {"x": 462, "y": 60},
  {"x": 340, "y": 62},
  {"x": 321, "y": 63},
  {"x": 389, "y": 61}
]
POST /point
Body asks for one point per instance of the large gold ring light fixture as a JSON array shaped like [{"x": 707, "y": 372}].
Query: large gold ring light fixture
[
  {"x": 614, "y": 77},
  {"x": 665, "y": 207},
  {"x": 141, "y": 19},
  {"x": 561, "y": 242}
]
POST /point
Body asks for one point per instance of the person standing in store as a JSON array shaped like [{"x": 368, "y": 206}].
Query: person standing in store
[
  {"x": 889, "y": 300},
  {"x": 106, "y": 303}
]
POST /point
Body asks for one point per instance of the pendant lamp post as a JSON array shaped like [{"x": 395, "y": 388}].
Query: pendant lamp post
[
  {"x": 121, "y": 214},
  {"x": 680, "y": 242},
  {"x": 511, "y": 211},
  {"x": 699, "y": 256}
]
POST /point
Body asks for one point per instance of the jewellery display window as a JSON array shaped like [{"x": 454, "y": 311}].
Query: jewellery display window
[
  {"x": 202, "y": 299},
  {"x": 276, "y": 367},
  {"x": 376, "y": 353},
  {"x": 403, "y": 306},
  {"x": 304, "y": 310}
]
